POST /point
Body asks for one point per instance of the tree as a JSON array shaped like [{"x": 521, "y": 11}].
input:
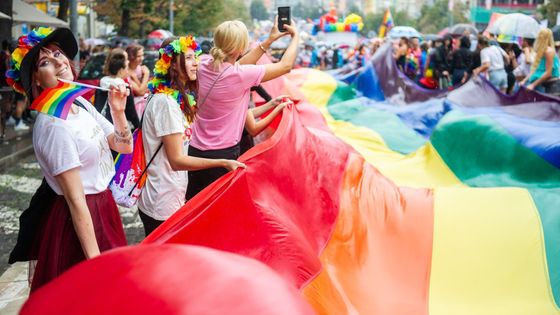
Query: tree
[
  {"x": 353, "y": 8},
  {"x": 135, "y": 16},
  {"x": 305, "y": 11},
  {"x": 372, "y": 21},
  {"x": 550, "y": 11},
  {"x": 435, "y": 18},
  {"x": 258, "y": 10},
  {"x": 62, "y": 10},
  {"x": 5, "y": 24},
  {"x": 199, "y": 17},
  {"x": 236, "y": 10}
]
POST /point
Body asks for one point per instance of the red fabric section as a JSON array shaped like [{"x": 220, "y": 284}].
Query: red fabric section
[
  {"x": 168, "y": 279},
  {"x": 58, "y": 246},
  {"x": 378, "y": 260},
  {"x": 280, "y": 210}
]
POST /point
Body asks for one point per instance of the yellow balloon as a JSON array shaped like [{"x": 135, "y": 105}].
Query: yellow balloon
[{"x": 339, "y": 27}]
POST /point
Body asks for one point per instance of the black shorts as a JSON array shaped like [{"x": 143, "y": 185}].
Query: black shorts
[{"x": 198, "y": 180}]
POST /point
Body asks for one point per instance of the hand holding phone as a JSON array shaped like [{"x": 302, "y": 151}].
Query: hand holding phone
[{"x": 283, "y": 18}]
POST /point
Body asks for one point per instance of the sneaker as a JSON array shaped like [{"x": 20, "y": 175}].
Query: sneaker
[
  {"x": 10, "y": 121},
  {"x": 21, "y": 126}
]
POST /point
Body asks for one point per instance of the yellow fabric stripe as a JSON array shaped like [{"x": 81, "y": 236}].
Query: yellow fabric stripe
[
  {"x": 423, "y": 168},
  {"x": 488, "y": 255}
]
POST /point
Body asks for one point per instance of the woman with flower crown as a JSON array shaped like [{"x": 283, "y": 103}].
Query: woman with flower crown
[
  {"x": 77, "y": 217},
  {"x": 166, "y": 125}
]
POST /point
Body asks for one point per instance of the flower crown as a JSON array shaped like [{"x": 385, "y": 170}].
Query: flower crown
[
  {"x": 160, "y": 83},
  {"x": 25, "y": 43},
  {"x": 178, "y": 46}
]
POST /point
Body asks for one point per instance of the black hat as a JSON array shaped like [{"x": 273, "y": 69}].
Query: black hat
[{"x": 31, "y": 45}]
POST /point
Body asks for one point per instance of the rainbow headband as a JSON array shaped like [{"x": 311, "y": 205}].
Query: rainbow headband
[{"x": 25, "y": 43}]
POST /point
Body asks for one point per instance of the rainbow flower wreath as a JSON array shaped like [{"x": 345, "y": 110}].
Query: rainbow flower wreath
[
  {"x": 160, "y": 83},
  {"x": 25, "y": 43}
]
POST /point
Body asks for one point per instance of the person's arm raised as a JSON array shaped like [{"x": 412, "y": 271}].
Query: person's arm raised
[
  {"x": 121, "y": 139},
  {"x": 274, "y": 70},
  {"x": 255, "y": 54}
]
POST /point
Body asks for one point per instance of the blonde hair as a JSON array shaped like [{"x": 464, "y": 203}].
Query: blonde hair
[
  {"x": 543, "y": 41},
  {"x": 230, "y": 37}
]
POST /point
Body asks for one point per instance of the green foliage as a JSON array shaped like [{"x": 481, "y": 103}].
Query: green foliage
[
  {"x": 550, "y": 11},
  {"x": 435, "y": 18},
  {"x": 258, "y": 10},
  {"x": 199, "y": 16},
  {"x": 236, "y": 10},
  {"x": 372, "y": 21},
  {"x": 136, "y": 18},
  {"x": 305, "y": 11}
]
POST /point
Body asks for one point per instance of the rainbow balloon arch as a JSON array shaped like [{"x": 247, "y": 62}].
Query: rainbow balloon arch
[{"x": 330, "y": 22}]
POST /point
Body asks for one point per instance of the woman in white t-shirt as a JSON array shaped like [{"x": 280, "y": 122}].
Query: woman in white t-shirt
[
  {"x": 166, "y": 125},
  {"x": 492, "y": 62},
  {"x": 81, "y": 219},
  {"x": 115, "y": 70}
]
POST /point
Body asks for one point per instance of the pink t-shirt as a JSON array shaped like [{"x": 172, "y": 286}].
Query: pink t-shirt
[{"x": 220, "y": 119}]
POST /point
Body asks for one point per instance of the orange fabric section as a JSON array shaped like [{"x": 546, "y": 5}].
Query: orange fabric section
[{"x": 379, "y": 256}]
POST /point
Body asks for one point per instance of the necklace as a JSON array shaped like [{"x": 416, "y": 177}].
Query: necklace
[{"x": 162, "y": 86}]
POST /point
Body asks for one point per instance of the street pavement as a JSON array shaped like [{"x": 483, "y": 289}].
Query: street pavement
[{"x": 18, "y": 182}]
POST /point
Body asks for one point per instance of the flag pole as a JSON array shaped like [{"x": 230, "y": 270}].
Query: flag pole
[{"x": 85, "y": 85}]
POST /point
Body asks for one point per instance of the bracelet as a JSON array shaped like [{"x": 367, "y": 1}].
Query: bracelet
[{"x": 262, "y": 48}]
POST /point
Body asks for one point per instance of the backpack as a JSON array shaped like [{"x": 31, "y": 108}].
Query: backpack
[{"x": 130, "y": 170}]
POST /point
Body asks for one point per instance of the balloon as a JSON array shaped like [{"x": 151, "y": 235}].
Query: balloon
[
  {"x": 347, "y": 27},
  {"x": 339, "y": 27}
]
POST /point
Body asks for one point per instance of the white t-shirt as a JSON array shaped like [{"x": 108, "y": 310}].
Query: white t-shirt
[
  {"x": 164, "y": 192},
  {"x": 494, "y": 56},
  {"x": 524, "y": 66},
  {"x": 79, "y": 141}
]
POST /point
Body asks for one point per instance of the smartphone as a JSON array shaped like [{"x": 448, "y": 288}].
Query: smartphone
[{"x": 283, "y": 18}]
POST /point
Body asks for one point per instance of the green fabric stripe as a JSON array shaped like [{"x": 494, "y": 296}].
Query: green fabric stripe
[
  {"x": 343, "y": 92},
  {"x": 487, "y": 156},
  {"x": 398, "y": 136}
]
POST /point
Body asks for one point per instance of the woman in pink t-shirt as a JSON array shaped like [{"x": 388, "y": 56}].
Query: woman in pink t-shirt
[
  {"x": 223, "y": 94},
  {"x": 138, "y": 76}
]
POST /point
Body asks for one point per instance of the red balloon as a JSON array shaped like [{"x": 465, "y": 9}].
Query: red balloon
[{"x": 167, "y": 279}]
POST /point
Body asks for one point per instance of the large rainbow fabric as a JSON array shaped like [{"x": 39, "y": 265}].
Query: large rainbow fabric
[
  {"x": 375, "y": 197},
  {"x": 57, "y": 101}
]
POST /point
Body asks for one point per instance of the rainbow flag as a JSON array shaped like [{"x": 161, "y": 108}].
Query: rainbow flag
[
  {"x": 386, "y": 24},
  {"x": 56, "y": 101},
  {"x": 445, "y": 203}
]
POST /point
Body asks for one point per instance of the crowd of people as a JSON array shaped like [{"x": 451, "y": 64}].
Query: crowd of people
[
  {"x": 449, "y": 62},
  {"x": 337, "y": 56}
]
